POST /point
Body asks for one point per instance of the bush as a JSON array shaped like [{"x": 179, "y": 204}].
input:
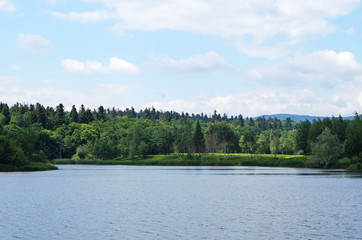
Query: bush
[
  {"x": 11, "y": 153},
  {"x": 344, "y": 163},
  {"x": 326, "y": 151}
]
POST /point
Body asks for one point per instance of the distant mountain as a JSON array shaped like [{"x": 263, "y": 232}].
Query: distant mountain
[{"x": 299, "y": 118}]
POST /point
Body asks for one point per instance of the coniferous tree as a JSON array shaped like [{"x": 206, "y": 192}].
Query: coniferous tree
[
  {"x": 81, "y": 114},
  {"x": 5, "y": 111},
  {"x": 101, "y": 115},
  {"x": 40, "y": 114},
  {"x": 288, "y": 124},
  {"x": 74, "y": 114},
  {"x": 303, "y": 136},
  {"x": 59, "y": 117},
  {"x": 88, "y": 116},
  {"x": 251, "y": 122},
  {"x": 241, "y": 121},
  {"x": 198, "y": 138},
  {"x": 353, "y": 143}
]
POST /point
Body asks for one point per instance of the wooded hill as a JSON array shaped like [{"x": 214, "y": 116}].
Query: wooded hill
[{"x": 35, "y": 133}]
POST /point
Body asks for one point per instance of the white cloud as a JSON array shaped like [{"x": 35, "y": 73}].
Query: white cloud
[
  {"x": 198, "y": 64},
  {"x": 267, "y": 101},
  {"x": 326, "y": 68},
  {"x": 115, "y": 65},
  {"x": 260, "y": 21},
  {"x": 15, "y": 68},
  {"x": 91, "y": 98},
  {"x": 6, "y": 5},
  {"x": 360, "y": 99},
  {"x": 34, "y": 42},
  {"x": 7, "y": 79},
  {"x": 84, "y": 17}
]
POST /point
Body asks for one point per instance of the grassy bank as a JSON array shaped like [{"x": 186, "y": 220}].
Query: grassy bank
[
  {"x": 202, "y": 160},
  {"x": 34, "y": 166}
]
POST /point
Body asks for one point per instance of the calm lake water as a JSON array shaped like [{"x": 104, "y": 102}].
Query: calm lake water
[{"x": 149, "y": 202}]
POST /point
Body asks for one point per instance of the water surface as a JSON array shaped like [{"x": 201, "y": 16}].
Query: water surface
[{"x": 151, "y": 202}]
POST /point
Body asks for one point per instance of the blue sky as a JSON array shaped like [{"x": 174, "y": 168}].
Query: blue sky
[{"x": 248, "y": 57}]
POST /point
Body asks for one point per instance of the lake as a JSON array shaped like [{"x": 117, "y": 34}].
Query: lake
[{"x": 152, "y": 202}]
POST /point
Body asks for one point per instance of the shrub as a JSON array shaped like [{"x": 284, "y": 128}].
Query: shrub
[{"x": 11, "y": 153}]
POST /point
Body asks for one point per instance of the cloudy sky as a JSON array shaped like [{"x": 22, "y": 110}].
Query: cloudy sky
[{"x": 249, "y": 57}]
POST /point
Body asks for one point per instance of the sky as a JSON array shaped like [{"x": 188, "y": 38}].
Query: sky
[{"x": 250, "y": 57}]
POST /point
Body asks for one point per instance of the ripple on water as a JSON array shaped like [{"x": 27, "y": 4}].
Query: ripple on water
[{"x": 122, "y": 202}]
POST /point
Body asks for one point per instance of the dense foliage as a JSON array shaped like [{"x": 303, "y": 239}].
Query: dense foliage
[{"x": 34, "y": 133}]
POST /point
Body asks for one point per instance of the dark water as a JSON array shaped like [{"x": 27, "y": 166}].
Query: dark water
[{"x": 123, "y": 202}]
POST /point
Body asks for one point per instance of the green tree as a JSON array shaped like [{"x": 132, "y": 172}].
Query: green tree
[
  {"x": 288, "y": 124},
  {"x": 5, "y": 111},
  {"x": 326, "y": 150},
  {"x": 353, "y": 141},
  {"x": 241, "y": 121},
  {"x": 184, "y": 140},
  {"x": 59, "y": 117},
  {"x": 251, "y": 122},
  {"x": 11, "y": 153},
  {"x": 287, "y": 142},
  {"x": 211, "y": 139},
  {"x": 101, "y": 114},
  {"x": 249, "y": 140},
  {"x": 40, "y": 115},
  {"x": 74, "y": 115},
  {"x": 274, "y": 142},
  {"x": 81, "y": 114},
  {"x": 88, "y": 116},
  {"x": 263, "y": 144},
  {"x": 198, "y": 138},
  {"x": 105, "y": 149},
  {"x": 302, "y": 137}
]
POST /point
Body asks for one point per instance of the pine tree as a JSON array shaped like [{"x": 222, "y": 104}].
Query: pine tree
[
  {"x": 81, "y": 114},
  {"x": 241, "y": 121},
  {"x": 5, "y": 111},
  {"x": 101, "y": 115},
  {"x": 251, "y": 122},
  {"x": 40, "y": 114},
  {"x": 288, "y": 124},
  {"x": 59, "y": 118},
  {"x": 74, "y": 114},
  {"x": 198, "y": 138}
]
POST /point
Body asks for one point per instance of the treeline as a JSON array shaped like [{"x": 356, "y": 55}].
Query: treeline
[{"x": 38, "y": 133}]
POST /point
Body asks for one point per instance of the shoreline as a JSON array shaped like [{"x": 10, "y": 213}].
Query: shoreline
[
  {"x": 267, "y": 160},
  {"x": 31, "y": 167}
]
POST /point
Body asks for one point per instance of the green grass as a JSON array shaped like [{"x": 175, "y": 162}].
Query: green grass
[
  {"x": 202, "y": 160},
  {"x": 33, "y": 166}
]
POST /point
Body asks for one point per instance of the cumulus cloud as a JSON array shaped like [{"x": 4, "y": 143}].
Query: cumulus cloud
[
  {"x": 255, "y": 20},
  {"x": 6, "y": 5},
  {"x": 209, "y": 62},
  {"x": 34, "y": 42},
  {"x": 114, "y": 65},
  {"x": 91, "y": 98},
  {"x": 267, "y": 101},
  {"x": 360, "y": 99},
  {"x": 84, "y": 17},
  {"x": 326, "y": 68}
]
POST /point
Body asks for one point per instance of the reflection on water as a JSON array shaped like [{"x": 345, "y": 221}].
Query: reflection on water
[{"x": 151, "y": 202}]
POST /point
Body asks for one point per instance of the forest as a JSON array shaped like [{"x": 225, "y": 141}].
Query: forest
[{"x": 37, "y": 134}]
